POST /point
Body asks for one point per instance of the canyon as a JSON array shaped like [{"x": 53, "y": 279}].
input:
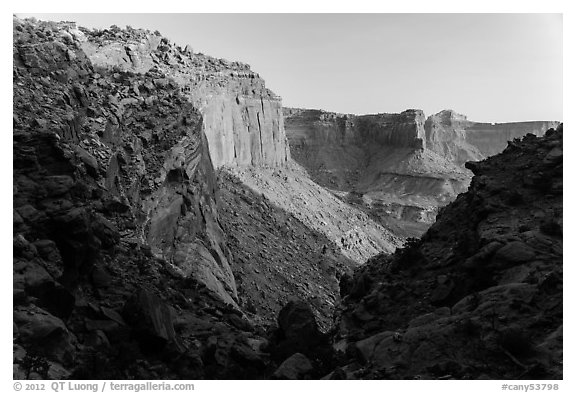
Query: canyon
[
  {"x": 172, "y": 220},
  {"x": 399, "y": 168}
]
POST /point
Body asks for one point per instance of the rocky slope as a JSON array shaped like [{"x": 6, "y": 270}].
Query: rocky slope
[
  {"x": 141, "y": 171},
  {"x": 277, "y": 257},
  {"x": 348, "y": 231},
  {"x": 480, "y": 295}
]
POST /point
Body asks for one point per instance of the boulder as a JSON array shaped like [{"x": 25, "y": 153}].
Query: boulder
[
  {"x": 513, "y": 253},
  {"x": 48, "y": 334},
  {"x": 296, "y": 366},
  {"x": 297, "y": 322}
]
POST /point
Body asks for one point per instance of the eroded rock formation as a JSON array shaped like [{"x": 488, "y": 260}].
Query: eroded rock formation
[
  {"x": 120, "y": 262},
  {"x": 379, "y": 163},
  {"x": 400, "y": 168},
  {"x": 458, "y": 139},
  {"x": 242, "y": 119}
]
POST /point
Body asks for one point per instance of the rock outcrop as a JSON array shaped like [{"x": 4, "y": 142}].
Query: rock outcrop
[
  {"x": 121, "y": 267},
  {"x": 141, "y": 169},
  {"x": 446, "y": 135},
  {"x": 480, "y": 295},
  {"x": 242, "y": 119},
  {"x": 138, "y": 140}
]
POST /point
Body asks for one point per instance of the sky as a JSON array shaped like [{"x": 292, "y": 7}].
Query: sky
[{"x": 490, "y": 67}]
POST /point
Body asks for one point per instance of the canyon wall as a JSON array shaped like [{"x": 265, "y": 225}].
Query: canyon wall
[
  {"x": 379, "y": 162},
  {"x": 405, "y": 129},
  {"x": 491, "y": 139},
  {"x": 315, "y": 127},
  {"x": 446, "y": 135},
  {"x": 453, "y": 136},
  {"x": 399, "y": 166},
  {"x": 138, "y": 145},
  {"x": 242, "y": 119}
]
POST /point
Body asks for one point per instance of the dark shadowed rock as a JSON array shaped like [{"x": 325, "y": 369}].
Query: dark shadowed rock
[
  {"x": 296, "y": 366},
  {"x": 151, "y": 319},
  {"x": 91, "y": 164},
  {"x": 47, "y": 333},
  {"x": 481, "y": 285},
  {"x": 297, "y": 323}
]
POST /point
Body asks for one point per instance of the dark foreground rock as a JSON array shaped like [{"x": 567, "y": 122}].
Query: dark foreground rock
[
  {"x": 121, "y": 268},
  {"x": 480, "y": 295}
]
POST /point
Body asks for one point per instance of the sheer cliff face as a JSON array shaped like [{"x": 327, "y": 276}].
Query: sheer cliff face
[
  {"x": 402, "y": 165},
  {"x": 453, "y": 136},
  {"x": 242, "y": 119},
  {"x": 315, "y": 128},
  {"x": 132, "y": 140},
  {"x": 245, "y": 130},
  {"x": 491, "y": 139},
  {"x": 446, "y": 135},
  {"x": 404, "y": 129}
]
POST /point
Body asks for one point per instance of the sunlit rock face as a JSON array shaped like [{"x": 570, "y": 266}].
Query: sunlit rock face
[
  {"x": 400, "y": 166},
  {"x": 379, "y": 162},
  {"x": 242, "y": 119},
  {"x": 491, "y": 139},
  {"x": 458, "y": 139}
]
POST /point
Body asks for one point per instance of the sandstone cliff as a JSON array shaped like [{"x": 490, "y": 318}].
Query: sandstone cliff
[
  {"x": 139, "y": 138},
  {"x": 242, "y": 119},
  {"x": 491, "y": 139},
  {"x": 446, "y": 135},
  {"x": 398, "y": 167},
  {"x": 458, "y": 139},
  {"x": 121, "y": 267},
  {"x": 377, "y": 162}
]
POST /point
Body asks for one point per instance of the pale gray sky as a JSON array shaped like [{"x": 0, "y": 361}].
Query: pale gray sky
[{"x": 491, "y": 67}]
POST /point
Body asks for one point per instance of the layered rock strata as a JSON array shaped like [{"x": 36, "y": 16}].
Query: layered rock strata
[
  {"x": 453, "y": 136},
  {"x": 378, "y": 162},
  {"x": 400, "y": 168}
]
